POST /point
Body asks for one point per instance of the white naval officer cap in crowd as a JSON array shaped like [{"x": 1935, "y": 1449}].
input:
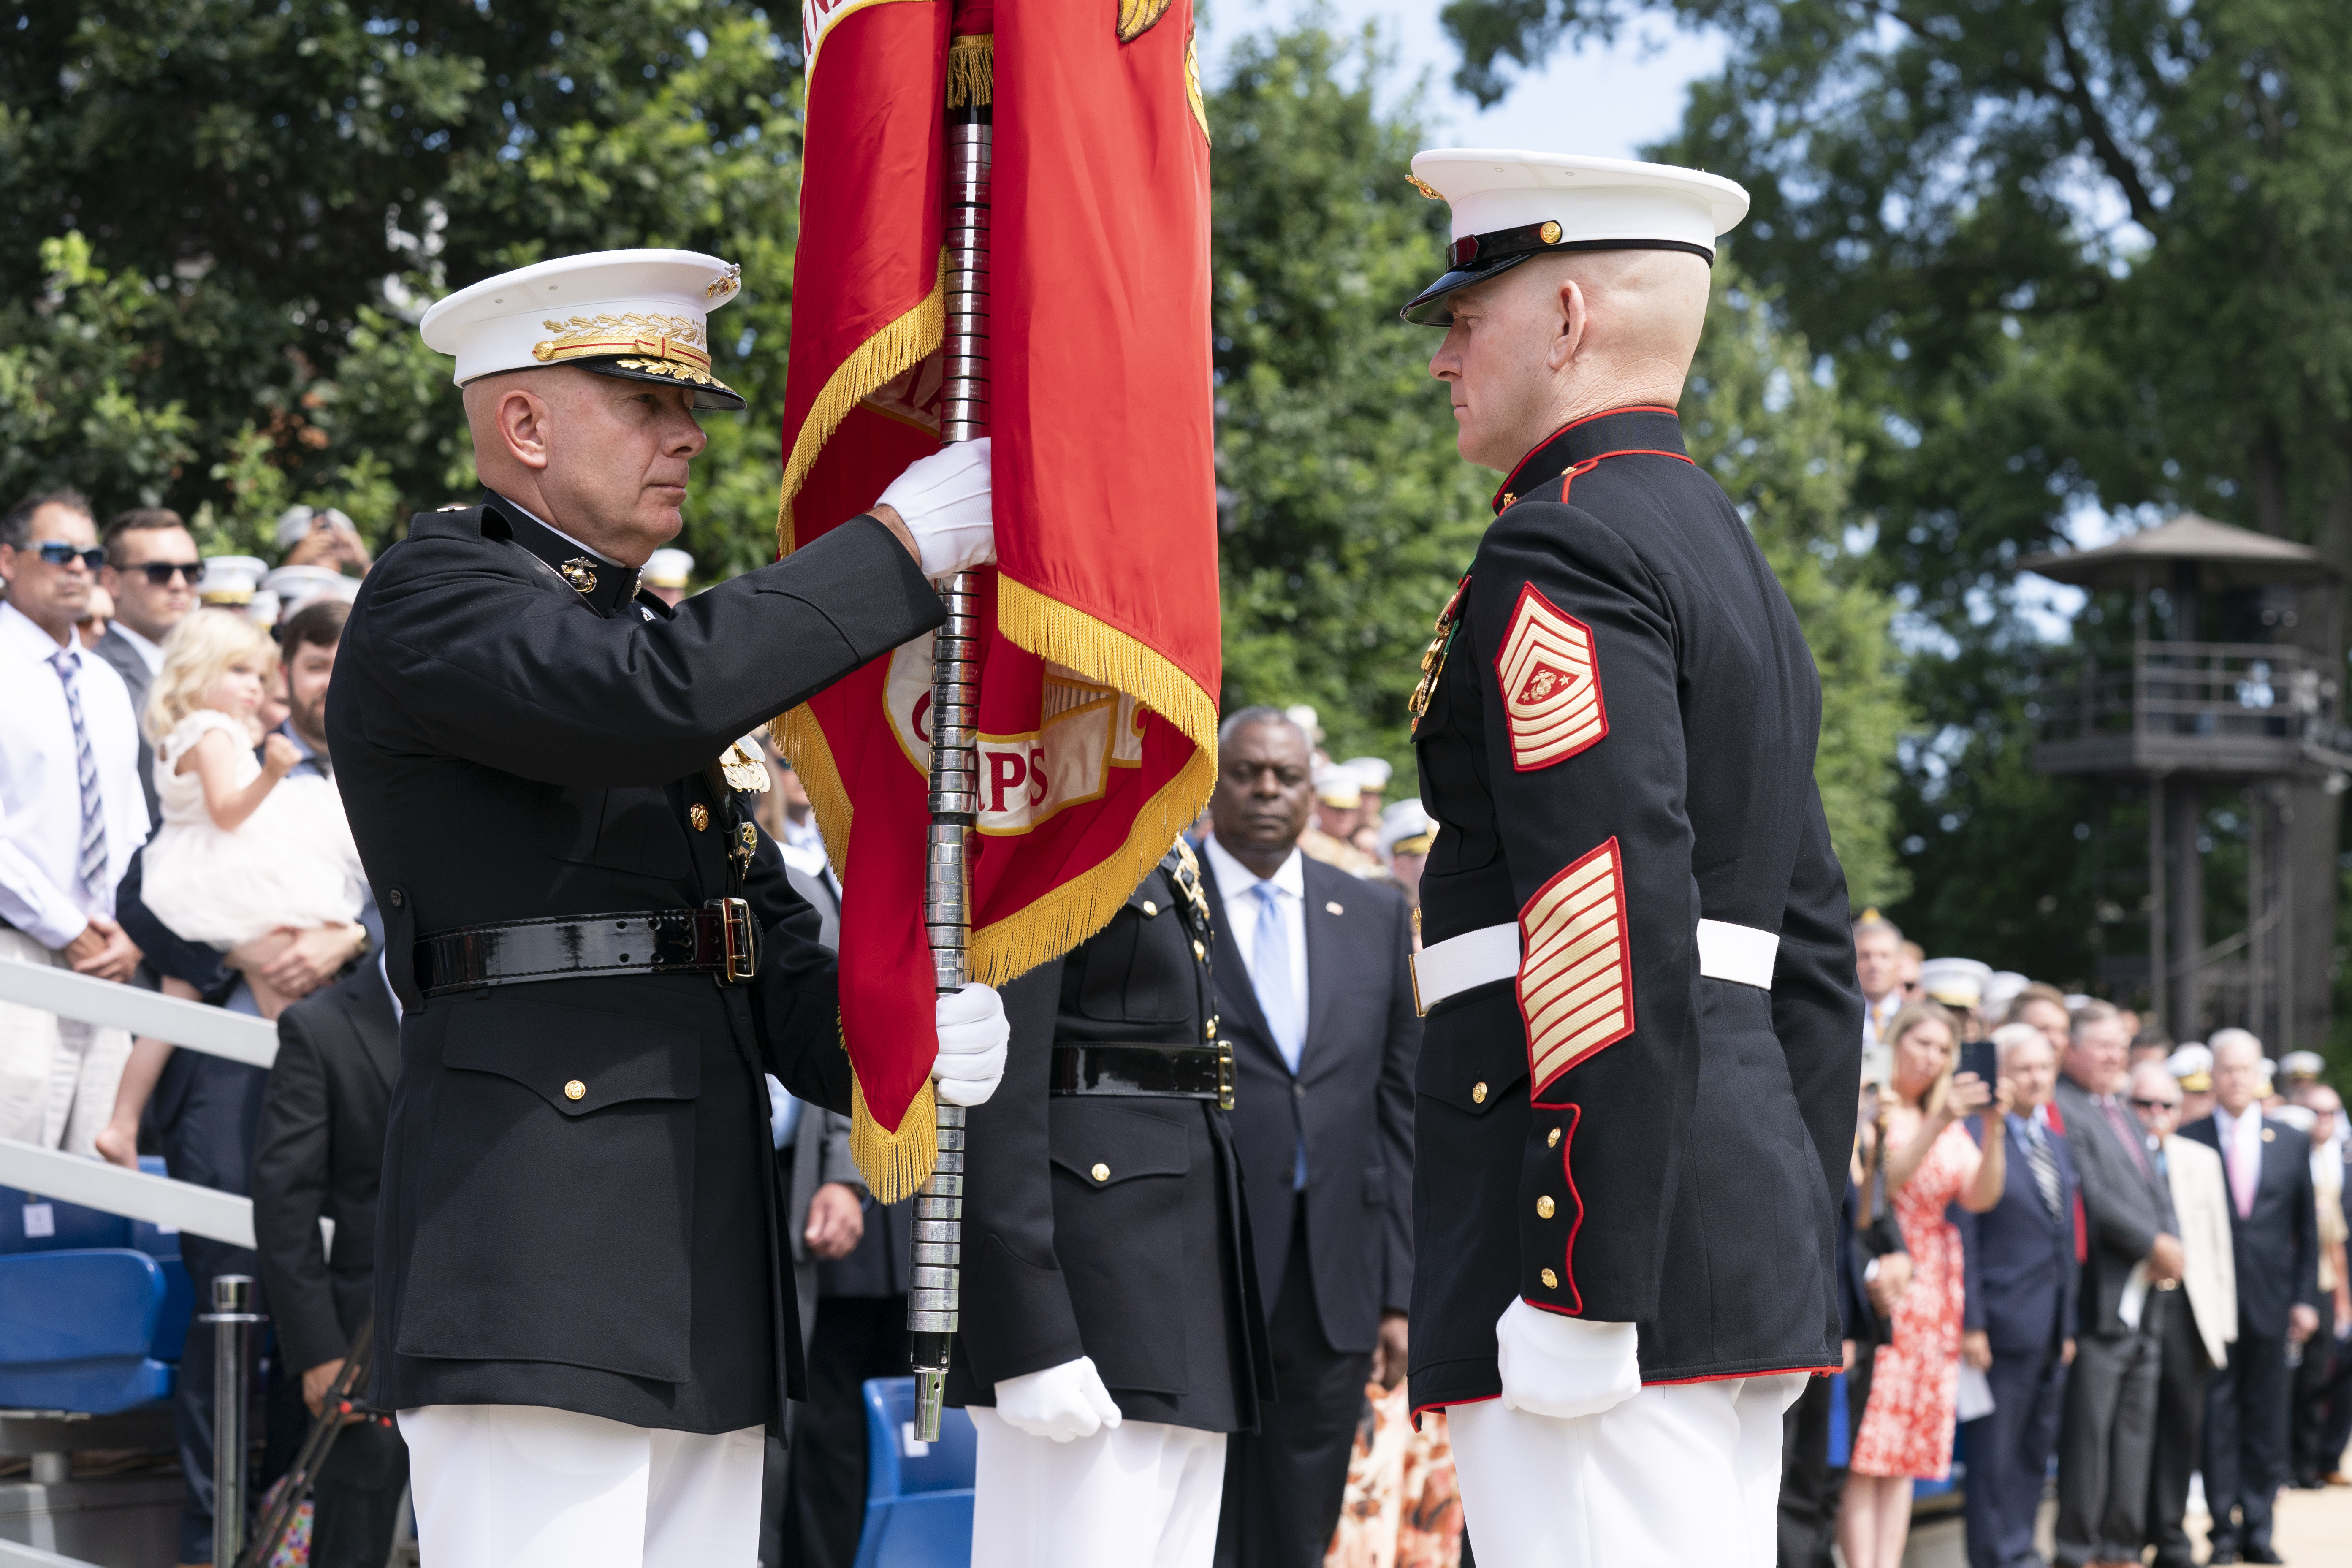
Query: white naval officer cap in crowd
[
  {"x": 1339, "y": 787},
  {"x": 1406, "y": 829},
  {"x": 2005, "y": 987},
  {"x": 667, "y": 568},
  {"x": 1508, "y": 207},
  {"x": 1954, "y": 982},
  {"x": 1375, "y": 771},
  {"x": 2302, "y": 1064},
  {"x": 297, "y": 586},
  {"x": 2189, "y": 1061},
  {"x": 640, "y": 314}
]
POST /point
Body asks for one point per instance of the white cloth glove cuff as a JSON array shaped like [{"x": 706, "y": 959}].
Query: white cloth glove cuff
[
  {"x": 1565, "y": 1367},
  {"x": 1060, "y": 1403}
]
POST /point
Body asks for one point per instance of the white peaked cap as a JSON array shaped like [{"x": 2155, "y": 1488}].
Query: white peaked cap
[
  {"x": 1507, "y": 205},
  {"x": 668, "y": 568},
  {"x": 641, "y": 314}
]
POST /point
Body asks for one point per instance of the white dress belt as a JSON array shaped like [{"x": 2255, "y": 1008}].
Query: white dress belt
[{"x": 1742, "y": 954}]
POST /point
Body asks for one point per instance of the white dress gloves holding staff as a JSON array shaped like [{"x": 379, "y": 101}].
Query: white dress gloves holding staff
[{"x": 944, "y": 501}]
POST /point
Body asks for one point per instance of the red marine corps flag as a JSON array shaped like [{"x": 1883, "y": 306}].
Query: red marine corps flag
[{"x": 1096, "y": 716}]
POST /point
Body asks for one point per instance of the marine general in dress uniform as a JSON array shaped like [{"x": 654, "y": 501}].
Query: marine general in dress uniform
[
  {"x": 583, "y": 1313},
  {"x": 1635, "y": 1093},
  {"x": 1112, "y": 1332}
]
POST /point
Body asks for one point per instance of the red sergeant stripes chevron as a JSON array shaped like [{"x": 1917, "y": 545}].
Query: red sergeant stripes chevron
[
  {"x": 1550, "y": 684},
  {"x": 1576, "y": 979}
]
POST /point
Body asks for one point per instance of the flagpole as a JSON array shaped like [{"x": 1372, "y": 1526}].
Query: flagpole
[{"x": 938, "y": 1245}]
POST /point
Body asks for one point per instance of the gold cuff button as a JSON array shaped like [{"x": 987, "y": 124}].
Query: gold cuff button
[
  {"x": 1552, "y": 1142},
  {"x": 700, "y": 816},
  {"x": 1551, "y": 1280},
  {"x": 575, "y": 1089},
  {"x": 1477, "y": 1094},
  {"x": 1543, "y": 1208},
  {"x": 1101, "y": 1173},
  {"x": 1150, "y": 908}
]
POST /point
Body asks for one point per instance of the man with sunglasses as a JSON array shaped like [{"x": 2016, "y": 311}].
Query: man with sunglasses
[
  {"x": 153, "y": 570},
  {"x": 71, "y": 814}
]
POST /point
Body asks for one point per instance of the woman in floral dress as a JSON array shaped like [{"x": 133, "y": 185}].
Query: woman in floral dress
[{"x": 1932, "y": 1162}]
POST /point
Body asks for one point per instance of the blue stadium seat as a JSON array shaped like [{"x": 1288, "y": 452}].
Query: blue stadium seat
[
  {"x": 76, "y": 1330},
  {"x": 70, "y": 1228},
  {"x": 917, "y": 1495}
]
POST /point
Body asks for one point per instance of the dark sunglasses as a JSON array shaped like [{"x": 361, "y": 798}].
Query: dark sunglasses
[
  {"x": 57, "y": 552},
  {"x": 161, "y": 573},
  {"x": 2156, "y": 1104}
]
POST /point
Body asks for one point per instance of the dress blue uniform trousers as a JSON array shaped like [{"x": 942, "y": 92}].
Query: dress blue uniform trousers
[{"x": 2009, "y": 1456}]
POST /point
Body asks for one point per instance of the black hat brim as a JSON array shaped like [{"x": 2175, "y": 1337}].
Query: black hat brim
[
  {"x": 1428, "y": 308},
  {"x": 711, "y": 393}
]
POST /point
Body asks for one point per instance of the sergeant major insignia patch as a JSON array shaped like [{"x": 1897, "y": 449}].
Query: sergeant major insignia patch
[{"x": 1550, "y": 684}]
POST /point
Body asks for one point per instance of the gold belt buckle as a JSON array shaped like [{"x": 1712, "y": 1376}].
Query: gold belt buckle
[
  {"x": 735, "y": 929},
  {"x": 1224, "y": 1075}
]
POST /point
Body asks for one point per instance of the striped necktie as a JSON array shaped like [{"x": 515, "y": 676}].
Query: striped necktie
[
  {"x": 91, "y": 861},
  {"x": 2044, "y": 1164}
]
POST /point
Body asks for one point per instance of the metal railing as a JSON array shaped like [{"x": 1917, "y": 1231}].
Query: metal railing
[{"x": 2256, "y": 690}]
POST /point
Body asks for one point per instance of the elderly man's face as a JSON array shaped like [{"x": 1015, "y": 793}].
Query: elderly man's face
[
  {"x": 2237, "y": 1074},
  {"x": 2095, "y": 1056},
  {"x": 2032, "y": 1071},
  {"x": 2051, "y": 1019},
  {"x": 1262, "y": 793},
  {"x": 609, "y": 454},
  {"x": 2155, "y": 1099}
]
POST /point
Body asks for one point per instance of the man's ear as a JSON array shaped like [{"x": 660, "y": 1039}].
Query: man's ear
[
  {"x": 1570, "y": 322},
  {"x": 520, "y": 419}
]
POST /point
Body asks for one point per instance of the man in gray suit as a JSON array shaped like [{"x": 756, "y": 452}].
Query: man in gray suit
[
  {"x": 151, "y": 570},
  {"x": 2107, "y": 1437}
]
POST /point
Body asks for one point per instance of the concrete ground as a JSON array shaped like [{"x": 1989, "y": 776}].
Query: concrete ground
[{"x": 2314, "y": 1529}]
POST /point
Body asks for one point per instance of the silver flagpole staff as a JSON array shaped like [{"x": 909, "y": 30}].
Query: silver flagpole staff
[{"x": 937, "y": 1247}]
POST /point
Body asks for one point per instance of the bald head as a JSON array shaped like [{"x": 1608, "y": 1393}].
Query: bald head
[
  {"x": 600, "y": 458},
  {"x": 1562, "y": 337}
]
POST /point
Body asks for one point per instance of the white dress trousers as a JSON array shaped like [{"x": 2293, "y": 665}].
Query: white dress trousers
[
  {"x": 57, "y": 1076},
  {"x": 1143, "y": 1494},
  {"x": 519, "y": 1486},
  {"x": 1680, "y": 1474}
]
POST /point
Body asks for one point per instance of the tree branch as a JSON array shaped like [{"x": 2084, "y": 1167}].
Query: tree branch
[{"x": 2111, "y": 154}]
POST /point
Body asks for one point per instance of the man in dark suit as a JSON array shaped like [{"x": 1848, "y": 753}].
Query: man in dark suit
[
  {"x": 1323, "y": 1116},
  {"x": 319, "y": 1154},
  {"x": 2275, "y": 1237},
  {"x": 151, "y": 571},
  {"x": 2022, "y": 1279},
  {"x": 2107, "y": 1436}
]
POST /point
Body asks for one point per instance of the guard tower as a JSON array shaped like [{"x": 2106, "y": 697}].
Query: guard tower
[{"x": 2224, "y": 689}]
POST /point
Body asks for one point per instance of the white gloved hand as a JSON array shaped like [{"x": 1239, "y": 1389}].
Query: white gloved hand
[
  {"x": 972, "y": 1033},
  {"x": 1061, "y": 1403},
  {"x": 944, "y": 501},
  {"x": 1564, "y": 1367}
]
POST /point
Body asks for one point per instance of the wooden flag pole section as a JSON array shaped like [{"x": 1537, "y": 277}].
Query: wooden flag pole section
[{"x": 936, "y": 1259}]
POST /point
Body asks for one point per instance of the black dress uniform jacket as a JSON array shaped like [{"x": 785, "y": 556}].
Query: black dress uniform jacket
[
  {"x": 510, "y": 746},
  {"x": 1112, "y": 1226},
  {"x": 1677, "y": 1161}
]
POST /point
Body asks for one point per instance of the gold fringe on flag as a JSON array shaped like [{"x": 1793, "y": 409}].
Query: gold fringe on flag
[
  {"x": 893, "y": 1164},
  {"x": 887, "y": 353},
  {"x": 1066, "y": 917},
  {"x": 972, "y": 70}
]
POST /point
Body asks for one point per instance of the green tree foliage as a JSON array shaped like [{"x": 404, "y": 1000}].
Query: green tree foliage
[{"x": 264, "y": 192}]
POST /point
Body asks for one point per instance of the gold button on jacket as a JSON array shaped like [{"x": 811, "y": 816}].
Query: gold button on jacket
[
  {"x": 1101, "y": 1173},
  {"x": 575, "y": 1089},
  {"x": 1551, "y": 1280},
  {"x": 1543, "y": 1208},
  {"x": 1477, "y": 1094}
]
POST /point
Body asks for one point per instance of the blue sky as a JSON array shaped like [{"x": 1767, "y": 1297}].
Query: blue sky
[{"x": 1602, "y": 101}]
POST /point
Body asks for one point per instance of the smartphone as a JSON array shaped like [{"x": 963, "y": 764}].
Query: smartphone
[{"x": 1981, "y": 1057}]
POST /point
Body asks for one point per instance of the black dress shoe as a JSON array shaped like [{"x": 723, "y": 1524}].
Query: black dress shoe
[
  {"x": 2225, "y": 1552},
  {"x": 2260, "y": 1551}
]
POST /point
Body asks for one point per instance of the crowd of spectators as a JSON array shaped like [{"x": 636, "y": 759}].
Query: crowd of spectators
[{"x": 2110, "y": 1255}]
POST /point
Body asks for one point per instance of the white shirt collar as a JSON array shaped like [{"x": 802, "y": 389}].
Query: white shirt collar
[
  {"x": 2239, "y": 1126},
  {"x": 25, "y": 631},
  {"x": 150, "y": 654},
  {"x": 1233, "y": 878}
]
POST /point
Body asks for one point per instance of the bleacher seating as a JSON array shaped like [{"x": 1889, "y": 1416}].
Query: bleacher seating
[
  {"x": 917, "y": 1495},
  {"x": 94, "y": 1308}
]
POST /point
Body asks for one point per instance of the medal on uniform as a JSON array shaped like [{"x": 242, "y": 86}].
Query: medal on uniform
[
  {"x": 743, "y": 769},
  {"x": 1433, "y": 659}
]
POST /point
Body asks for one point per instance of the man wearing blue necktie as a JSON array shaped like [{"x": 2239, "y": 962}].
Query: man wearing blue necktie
[{"x": 1314, "y": 995}]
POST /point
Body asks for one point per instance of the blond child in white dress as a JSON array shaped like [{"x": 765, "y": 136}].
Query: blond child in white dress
[{"x": 245, "y": 856}]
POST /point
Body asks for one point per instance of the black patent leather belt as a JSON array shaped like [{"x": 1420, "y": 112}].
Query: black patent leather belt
[
  {"x": 718, "y": 939},
  {"x": 1151, "y": 1072}
]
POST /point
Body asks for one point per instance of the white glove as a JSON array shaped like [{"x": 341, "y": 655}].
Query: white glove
[
  {"x": 1060, "y": 1403},
  {"x": 1564, "y": 1367},
  {"x": 944, "y": 501},
  {"x": 972, "y": 1032}
]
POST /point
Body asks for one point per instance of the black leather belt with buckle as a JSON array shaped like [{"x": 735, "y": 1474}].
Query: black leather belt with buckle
[
  {"x": 1150, "y": 1073},
  {"x": 718, "y": 938}
]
